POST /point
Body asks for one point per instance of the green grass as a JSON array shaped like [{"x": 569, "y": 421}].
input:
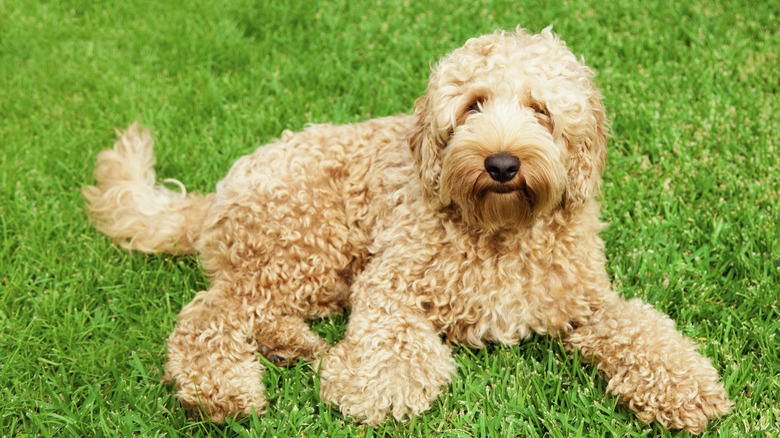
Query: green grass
[{"x": 691, "y": 193}]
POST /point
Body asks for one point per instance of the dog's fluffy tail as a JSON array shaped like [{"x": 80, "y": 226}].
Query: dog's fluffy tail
[{"x": 127, "y": 205}]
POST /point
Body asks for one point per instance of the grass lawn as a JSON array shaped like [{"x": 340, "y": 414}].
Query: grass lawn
[{"x": 691, "y": 195}]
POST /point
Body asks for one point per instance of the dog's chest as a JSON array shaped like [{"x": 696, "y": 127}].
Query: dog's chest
[{"x": 499, "y": 294}]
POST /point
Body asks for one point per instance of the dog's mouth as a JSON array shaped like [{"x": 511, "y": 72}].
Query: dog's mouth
[
  {"x": 506, "y": 189},
  {"x": 503, "y": 188}
]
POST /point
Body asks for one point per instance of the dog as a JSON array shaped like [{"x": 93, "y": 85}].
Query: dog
[{"x": 474, "y": 219}]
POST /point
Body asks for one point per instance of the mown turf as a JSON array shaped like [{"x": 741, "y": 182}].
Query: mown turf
[{"x": 691, "y": 193}]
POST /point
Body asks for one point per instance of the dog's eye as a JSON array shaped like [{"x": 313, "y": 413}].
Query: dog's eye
[
  {"x": 542, "y": 115},
  {"x": 476, "y": 105},
  {"x": 540, "y": 109}
]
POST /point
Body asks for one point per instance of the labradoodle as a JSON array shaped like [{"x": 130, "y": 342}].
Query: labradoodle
[{"x": 475, "y": 219}]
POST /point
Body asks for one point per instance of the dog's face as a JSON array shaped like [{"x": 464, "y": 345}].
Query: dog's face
[{"x": 510, "y": 128}]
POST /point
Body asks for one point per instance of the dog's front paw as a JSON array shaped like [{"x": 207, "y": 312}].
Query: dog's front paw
[
  {"x": 682, "y": 392},
  {"x": 686, "y": 407},
  {"x": 371, "y": 383}
]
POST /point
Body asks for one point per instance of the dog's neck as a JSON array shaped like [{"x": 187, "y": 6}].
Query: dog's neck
[{"x": 553, "y": 223}]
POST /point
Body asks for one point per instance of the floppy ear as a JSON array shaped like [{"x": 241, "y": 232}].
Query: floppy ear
[
  {"x": 588, "y": 156},
  {"x": 425, "y": 149}
]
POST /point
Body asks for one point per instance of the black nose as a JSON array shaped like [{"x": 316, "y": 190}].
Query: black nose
[{"x": 502, "y": 167}]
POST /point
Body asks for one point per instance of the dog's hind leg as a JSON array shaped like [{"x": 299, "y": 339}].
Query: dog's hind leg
[
  {"x": 212, "y": 352},
  {"x": 212, "y": 358},
  {"x": 651, "y": 366},
  {"x": 285, "y": 261}
]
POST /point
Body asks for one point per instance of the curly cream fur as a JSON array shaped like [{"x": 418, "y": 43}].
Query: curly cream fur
[
  {"x": 399, "y": 218},
  {"x": 130, "y": 207}
]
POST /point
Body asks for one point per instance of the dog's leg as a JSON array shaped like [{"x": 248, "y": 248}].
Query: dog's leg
[
  {"x": 651, "y": 366},
  {"x": 212, "y": 352},
  {"x": 391, "y": 360},
  {"x": 212, "y": 358},
  {"x": 284, "y": 259}
]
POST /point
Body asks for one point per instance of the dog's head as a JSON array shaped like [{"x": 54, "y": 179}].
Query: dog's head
[{"x": 510, "y": 128}]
